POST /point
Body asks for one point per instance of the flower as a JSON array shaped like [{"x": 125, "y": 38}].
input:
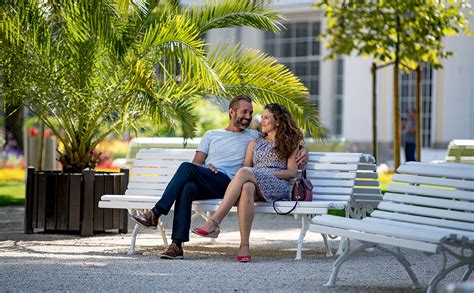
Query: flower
[{"x": 33, "y": 131}]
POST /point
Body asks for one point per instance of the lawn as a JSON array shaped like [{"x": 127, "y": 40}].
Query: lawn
[{"x": 12, "y": 193}]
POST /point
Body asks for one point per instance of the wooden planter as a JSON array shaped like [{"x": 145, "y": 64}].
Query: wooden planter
[{"x": 68, "y": 203}]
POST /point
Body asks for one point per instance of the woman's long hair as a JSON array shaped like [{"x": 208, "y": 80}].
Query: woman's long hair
[{"x": 288, "y": 135}]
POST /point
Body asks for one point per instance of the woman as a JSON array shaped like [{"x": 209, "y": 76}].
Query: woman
[{"x": 269, "y": 164}]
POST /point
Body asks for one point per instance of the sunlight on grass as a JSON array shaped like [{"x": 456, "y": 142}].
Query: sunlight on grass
[{"x": 12, "y": 193}]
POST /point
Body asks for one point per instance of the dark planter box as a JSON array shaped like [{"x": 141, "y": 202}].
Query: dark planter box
[{"x": 68, "y": 203}]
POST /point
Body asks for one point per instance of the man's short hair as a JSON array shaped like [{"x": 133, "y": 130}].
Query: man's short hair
[{"x": 235, "y": 101}]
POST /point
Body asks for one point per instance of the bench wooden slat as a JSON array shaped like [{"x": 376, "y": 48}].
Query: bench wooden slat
[
  {"x": 332, "y": 167},
  {"x": 367, "y": 190},
  {"x": 374, "y": 238},
  {"x": 315, "y": 155},
  {"x": 157, "y": 163},
  {"x": 382, "y": 229},
  {"x": 462, "y": 184},
  {"x": 329, "y": 175},
  {"x": 135, "y": 198},
  {"x": 424, "y": 211},
  {"x": 366, "y": 175},
  {"x": 262, "y": 209},
  {"x": 133, "y": 185},
  {"x": 464, "y": 159},
  {"x": 366, "y": 167},
  {"x": 365, "y": 197},
  {"x": 436, "y": 171},
  {"x": 429, "y": 201},
  {"x": 368, "y": 183},
  {"x": 333, "y": 183},
  {"x": 445, "y": 231},
  {"x": 443, "y": 165},
  {"x": 423, "y": 220},
  {"x": 332, "y": 190},
  {"x": 165, "y": 155},
  {"x": 429, "y": 191},
  {"x": 155, "y": 171},
  {"x": 156, "y": 193},
  {"x": 329, "y": 197},
  {"x": 334, "y": 160}
]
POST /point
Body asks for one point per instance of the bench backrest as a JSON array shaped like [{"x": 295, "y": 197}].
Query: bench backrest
[
  {"x": 460, "y": 151},
  {"x": 440, "y": 196},
  {"x": 333, "y": 175}
]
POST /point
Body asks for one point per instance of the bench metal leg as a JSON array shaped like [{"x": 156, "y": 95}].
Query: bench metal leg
[
  {"x": 131, "y": 250},
  {"x": 342, "y": 246},
  {"x": 349, "y": 252},
  {"x": 403, "y": 261},
  {"x": 340, "y": 260},
  {"x": 304, "y": 228},
  {"x": 162, "y": 232},
  {"x": 326, "y": 244},
  {"x": 440, "y": 275},
  {"x": 467, "y": 273},
  {"x": 462, "y": 258}
]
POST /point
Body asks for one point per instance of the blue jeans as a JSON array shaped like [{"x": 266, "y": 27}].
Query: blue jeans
[
  {"x": 190, "y": 182},
  {"x": 410, "y": 149}
]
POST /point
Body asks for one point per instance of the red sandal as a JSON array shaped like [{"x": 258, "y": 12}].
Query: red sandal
[
  {"x": 244, "y": 258},
  {"x": 203, "y": 233}
]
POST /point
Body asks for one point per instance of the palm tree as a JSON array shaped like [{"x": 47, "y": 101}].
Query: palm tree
[{"x": 91, "y": 67}]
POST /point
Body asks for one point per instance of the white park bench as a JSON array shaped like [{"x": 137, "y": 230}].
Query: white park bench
[
  {"x": 460, "y": 151},
  {"x": 342, "y": 181},
  {"x": 430, "y": 208}
]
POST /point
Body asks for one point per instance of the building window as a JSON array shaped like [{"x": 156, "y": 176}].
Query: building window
[
  {"x": 339, "y": 95},
  {"x": 408, "y": 99},
  {"x": 298, "y": 49}
]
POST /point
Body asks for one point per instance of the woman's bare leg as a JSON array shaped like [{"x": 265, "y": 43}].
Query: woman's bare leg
[
  {"x": 231, "y": 197},
  {"x": 246, "y": 211}
]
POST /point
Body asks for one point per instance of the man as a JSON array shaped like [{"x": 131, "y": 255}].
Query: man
[
  {"x": 409, "y": 137},
  {"x": 219, "y": 156}
]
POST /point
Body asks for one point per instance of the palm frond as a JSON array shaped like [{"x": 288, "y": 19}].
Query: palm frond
[
  {"x": 227, "y": 13},
  {"x": 250, "y": 72}
]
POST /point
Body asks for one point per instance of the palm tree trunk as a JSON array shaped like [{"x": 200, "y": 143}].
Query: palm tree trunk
[
  {"x": 418, "y": 113},
  {"x": 396, "y": 115},
  {"x": 374, "y": 110}
]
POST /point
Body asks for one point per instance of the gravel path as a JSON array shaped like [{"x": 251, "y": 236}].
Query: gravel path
[{"x": 49, "y": 262}]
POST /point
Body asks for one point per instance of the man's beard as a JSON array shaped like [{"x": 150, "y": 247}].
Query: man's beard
[{"x": 239, "y": 123}]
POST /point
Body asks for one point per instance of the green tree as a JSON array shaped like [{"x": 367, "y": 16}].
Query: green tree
[
  {"x": 88, "y": 68},
  {"x": 399, "y": 32}
]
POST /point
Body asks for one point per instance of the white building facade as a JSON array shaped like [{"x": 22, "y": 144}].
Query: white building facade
[{"x": 342, "y": 87}]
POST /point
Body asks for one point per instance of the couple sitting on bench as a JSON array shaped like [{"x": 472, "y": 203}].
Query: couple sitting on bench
[{"x": 270, "y": 159}]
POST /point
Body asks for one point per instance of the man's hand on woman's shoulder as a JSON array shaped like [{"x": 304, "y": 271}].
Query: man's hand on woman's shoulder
[{"x": 302, "y": 157}]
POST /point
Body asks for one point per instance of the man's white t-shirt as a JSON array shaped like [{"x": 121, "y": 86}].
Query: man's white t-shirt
[{"x": 226, "y": 149}]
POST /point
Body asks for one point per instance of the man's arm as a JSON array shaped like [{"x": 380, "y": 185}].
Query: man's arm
[
  {"x": 302, "y": 157},
  {"x": 199, "y": 158}
]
